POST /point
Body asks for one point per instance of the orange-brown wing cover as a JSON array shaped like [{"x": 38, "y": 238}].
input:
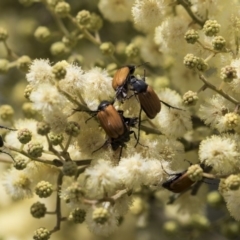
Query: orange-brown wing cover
[
  {"x": 120, "y": 77},
  {"x": 111, "y": 122},
  {"x": 150, "y": 102},
  {"x": 181, "y": 184}
]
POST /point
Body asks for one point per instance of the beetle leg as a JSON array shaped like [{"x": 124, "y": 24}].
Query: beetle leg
[
  {"x": 7, "y": 154},
  {"x": 106, "y": 142}
]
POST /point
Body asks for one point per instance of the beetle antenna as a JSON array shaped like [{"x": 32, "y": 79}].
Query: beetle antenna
[
  {"x": 90, "y": 118},
  {"x": 139, "y": 124},
  {"x": 100, "y": 147},
  {"x": 190, "y": 163},
  {"x": 142, "y": 64},
  {"x": 165, "y": 170},
  {"x": 168, "y": 105},
  {"x": 11, "y": 129}
]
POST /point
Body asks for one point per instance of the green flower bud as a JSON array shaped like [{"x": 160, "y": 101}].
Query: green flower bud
[
  {"x": 171, "y": 227},
  {"x": 218, "y": 43},
  {"x": 55, "y": 139},
  {"x": 195, "y": 172},
  {"x": 44, "y": 189},
  {"x": 34, "y": 149},
  {"x": 230, "y": 229},
  {"x": 132, "y": 50},
  {"x": 6, "y": 112},
  {"x": 232, "y": 120},
  {"x": 62, "y": 9},
  {"x": 69, "y": 41},
  {"x": 43, "y": 128},
  {"x": 59, "y": 70},
  {"x": 214, "y": 199},
  {"x": 4, "y": 65},
  {"x": 191, "y": 36},
  {"x": 42, "y": 34},
  {"x": 83, "y": 17},
  {"x": 202, "y": 65},
  {"x": 77, "y": 215},
  {"x": 3, "y": 34},
  {"x": 190, "y": 98},
  {"x": 200, "y": 222},
  {"x": 95, "y": 23},
  {"x": 107, "y": 48},
  {"x": 100, "y": 215},
  {"x": 76, "y": 58},
  {"x": 23, "y": 63},
  {"x": 69, "y": 168},
  {"x": 28, "y": 110},
  {"x": 58, "y": 48},
  {"x": 228, "y": 73},
  {"x": 233, "y": 182},
  {"x": 41, "y": 234},
  {"x": 24, "y": 135},
  {"x": 72, "y": 129},
  {"x": 190, "y": 61},
  {"x": 211, "y": 28},
  {"x": 20, "y": 163},
  {"x": 38, "y": 210},
  {"x": 28, "y": 91}
]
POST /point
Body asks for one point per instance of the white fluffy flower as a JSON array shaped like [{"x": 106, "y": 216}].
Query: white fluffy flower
[
  {"x": 116, "y": 10},
  {"x": 147, "y": 14},
  {"x": 170, "y": 34},
  {"x": 40, "y": 72},
  {"x": 219, "y": 152},
  {"x": 101, "y": 180},
  {"x": 235, "y": 83},
  {"x": 213, "y": 111},
  {"x": 172, "y": 122},
  {"x": 131, "y": 171},
  {"x": 97, "y": 87},
  {"x": 18, "y": 184}
]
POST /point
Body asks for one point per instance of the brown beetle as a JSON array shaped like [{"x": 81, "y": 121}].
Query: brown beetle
[
  {"x": 179, "y": 183},
  {"x": 2, "y": 143}
]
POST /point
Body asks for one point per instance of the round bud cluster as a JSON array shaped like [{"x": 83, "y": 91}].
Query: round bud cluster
[
  {"x": 214, "y": 199},
  {"x": 190, "y": 98},
  {"x": 83, "y": 17},
  {"x": 23, "y": 63},
  {"x": 28, "y": 110},
  {"x": 59, "y": 70},
  {"x": 200, "y": 222},
  {"x": 3, "y": 34},
  {"x": 77, "y": 215},
  {"x": 41, "y": 234},
  {"x": 35, "y": 149},
  {"x": 191, "y": 36},
  {"x": 28, "y": 91},
  {"x": 195, "y": 172},
  {"x": 43, "y": 128},
  {"x": 100, "y": 215},
  {"x": 69, "y": 41},
  {"x": 44, "y": 189},
  {"x": 75, "y": 193},
  {"x": 232, "y": 120},
  {"x": 211, "y": 28},
  {"x": 58, "y": 48},
  {"x": 72, "y": 129},
  {"x": 38, "y": 210},
  {"x": 202, "y": 65},
  {"x": 20, "y": 163},
  {"x": 55, "y": 139},
  {"x": 190, "y": 61},
  {"x": 24, "y": 135},
  {"x": 107, "y": 48},
  {"x": 228, "y": 73},
  {"x": 42, "y": 34},
  {"x": 6, "y": 112},
  {"x": 95, "y": 23},
  {"x": 233, "y": 182},
  {"x": 62, "y": 9},
  {"x": 4, "y": 65},
  {"x": 170, "y": 227},
  {"x": 218, "y": 43},
  {"x": 69, "y": 168},
  {"x": 132, "y": 51}
]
